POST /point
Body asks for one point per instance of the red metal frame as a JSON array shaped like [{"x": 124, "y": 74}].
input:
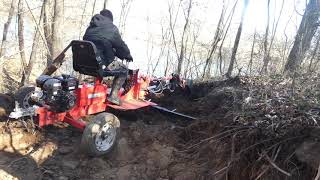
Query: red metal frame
[{"x": 92, "y": 99}]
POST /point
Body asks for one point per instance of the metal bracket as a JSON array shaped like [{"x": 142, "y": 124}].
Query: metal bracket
[{"x": 19, "y": 112}]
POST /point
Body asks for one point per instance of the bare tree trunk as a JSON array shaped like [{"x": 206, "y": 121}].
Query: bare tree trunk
[
  {"x": 314, "y": 54},
  {"x": 35, "y": 46},
  {"x": 125, "y": 9},
  {"x": 273, "y": 34},
  {"x": 165, "y": 41},
  {"x": 57, "y": 27},
  {"x": 167, "y": 63},
  {"x": 6, "y": 27},
  {"x": 187, "y": 69},
  {"x": 93, "y": 7},
  {"x": 47, "y": 29},
  {"x": 172, "y": 26},
  {"x": 105, "y": 4},
  {"x": 266, "y": 56},
  {"x": 274, "y": 29},
  {"x": 183, "y": 41},
  {"x": 252, "y": 52},
  {"x": 21, "y": 39},
  {"x": 286, "y": 44},
  {"x": 236, "y": 42},
  {"x": 216, "y": 40},
  {"x": 306, "y": 31},
  {"x": 82, "y": 16},
  {"x": 228, "y": 21}
]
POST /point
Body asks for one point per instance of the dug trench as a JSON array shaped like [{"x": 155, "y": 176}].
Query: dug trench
[{"x": 246, "y": 129}]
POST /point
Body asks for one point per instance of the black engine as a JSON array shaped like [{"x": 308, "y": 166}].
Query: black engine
[{"x": 57, "y": 92}]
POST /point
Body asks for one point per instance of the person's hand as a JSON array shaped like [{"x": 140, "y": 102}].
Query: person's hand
[{"x": 129, "y": 58}]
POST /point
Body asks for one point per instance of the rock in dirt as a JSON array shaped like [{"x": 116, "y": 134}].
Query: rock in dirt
[
  {"x": 124, "y": 172},
  {"x": 161, "y": 155},
  {"x": 225, "y": 96},
  {"x": 45, "y": 151},
  {"x": 97, "y": 163},
  {"x": 17, "y": 140},
  {"x": 136, "y": 135},
  {"x": 65, "y": 150},
  {"x": 72, "y": 164},
  {"x": 124, "y": 152}
]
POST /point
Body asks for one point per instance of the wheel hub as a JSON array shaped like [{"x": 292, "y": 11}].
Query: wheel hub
[
  {"x": 26, "y": 100},
  {"x": 105, "y": 137}
]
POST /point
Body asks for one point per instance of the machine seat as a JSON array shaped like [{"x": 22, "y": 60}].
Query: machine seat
[{"x": 85, "y": 60}]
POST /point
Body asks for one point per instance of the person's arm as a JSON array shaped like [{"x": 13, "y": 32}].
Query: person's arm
[{"x": 122, "y": 50}]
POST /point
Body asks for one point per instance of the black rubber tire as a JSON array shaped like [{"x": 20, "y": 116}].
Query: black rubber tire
[
  {"x": 89, "y": 134},
  {"x": 22, "y": 93}
]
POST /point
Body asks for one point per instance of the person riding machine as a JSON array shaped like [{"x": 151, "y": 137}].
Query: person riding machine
[
  {"x": 66, "y": 99},
  {"x": 107, "y": 39}
]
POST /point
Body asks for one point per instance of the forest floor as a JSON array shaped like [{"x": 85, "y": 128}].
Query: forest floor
[{"x": 247, "y": 128}]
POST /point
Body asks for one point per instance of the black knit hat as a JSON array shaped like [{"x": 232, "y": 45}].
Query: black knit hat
[{"x": 107, "y": 13}]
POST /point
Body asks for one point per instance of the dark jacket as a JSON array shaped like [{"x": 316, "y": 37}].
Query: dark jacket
[{"x": 105, "y": 35}]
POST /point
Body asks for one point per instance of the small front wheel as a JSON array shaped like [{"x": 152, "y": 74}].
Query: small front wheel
[
  {"x": 23, "y": 96},
  {"x": 101, "y": 134}
]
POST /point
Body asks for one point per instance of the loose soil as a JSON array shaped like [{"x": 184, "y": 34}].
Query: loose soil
[{"x": 246, "y": 129}]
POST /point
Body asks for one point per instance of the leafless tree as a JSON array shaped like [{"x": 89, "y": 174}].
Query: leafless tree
[
  {"x": 237, "y": 40},
  {"x": 184, "y": 38},
  {"x": 21, "y": 37},
  {"x": 165, "y": 43},
  {"x": 252, "y": 53},
  {"x": 6, "y": 27},
  {"x": 267, "y": 48},
  {"x": 216, "y": 39},
  {"x": 195, "y": 36},
  {"x": 228, "y": 22},
  {"x": 57, "y": 27},
  {"x": 105, "y": 4},
  {"x": 150, "y": 47},
  {"x": 314, "y": 53},
  {"x": 166, "y": 70},
  {"x": 172, "y": 24},
  {"x": 125, "y": 9},
  {"x": 82, "y": 16},
  {"x": 306, "y": 31},
  {"x": 266, "y": 56},
  {"x": 35, "y": 46},
  {"x": 275, "y": 28},
  {"x": 47, "y": 28},
  {"x": 285, "y": 47}
]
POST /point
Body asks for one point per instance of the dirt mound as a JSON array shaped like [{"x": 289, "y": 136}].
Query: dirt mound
[
  {"x": 247, "y": 128},
  {"x": 258, "y": 129},
  {"x": 145, "y": 151}
]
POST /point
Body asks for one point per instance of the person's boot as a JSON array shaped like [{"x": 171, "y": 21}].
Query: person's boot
[{"x": 116, "y": 86}]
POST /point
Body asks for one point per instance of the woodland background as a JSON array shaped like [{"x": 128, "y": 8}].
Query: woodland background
[{"x": 198, "y": 39}]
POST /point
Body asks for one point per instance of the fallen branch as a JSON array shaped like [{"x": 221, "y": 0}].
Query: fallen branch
[
  {"x": 266, "y": 169},
  {"x": 276, "y": 167},
  {"x": 262, "y": 173},
  {"x": 210, "y": 138},
  {"x": 220, "y": 170}
]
